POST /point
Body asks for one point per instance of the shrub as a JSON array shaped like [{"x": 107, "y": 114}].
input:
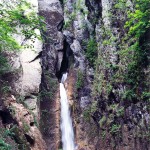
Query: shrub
[
  {"x": 80, "y": 80},
  {"x": 14, "y": 15},
  {"x": 91, "y": 51},
  {"x": 115, "y": 129},
  {"x": 4, "y": 145}
]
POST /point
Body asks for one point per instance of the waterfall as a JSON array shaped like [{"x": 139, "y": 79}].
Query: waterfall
[{"x": 66, "y": 121}]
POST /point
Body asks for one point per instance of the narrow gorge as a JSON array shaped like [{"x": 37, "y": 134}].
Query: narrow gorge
[{"x": 74, "y": 75}]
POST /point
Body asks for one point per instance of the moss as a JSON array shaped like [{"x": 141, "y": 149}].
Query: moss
[
  {"x": 132, "y": 55},
  {"x": 26, "y": 127},
  {"x": 45, "y": 121},
  {"x": 110, "y": 119},
  {"x": 120, "y": 112},
  {"x": 91, "y": 51},
  {"x": 112, "y": 107},
  {"x": 87, "y": 114},
  {"x": 93, "y": 107},
  {"x": 50, "y": 87},
  {"x": 115, "y": 128},
  {"x": 102, "y": 121},
  {"x": 103, "y": 134},
  {"x": 80, "y": 80},
  {"x": 4, "y": 145},
  {"x": 13, "y": 139}
]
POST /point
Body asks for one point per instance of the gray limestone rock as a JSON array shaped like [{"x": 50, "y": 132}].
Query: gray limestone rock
[
  {"x": 76, "y": 48},
  {"x": 78, "y": 55},
  {"x": 69, "y": 36},
  {"x": 59, "y": 44},
  {"x": 84, "y": 102}
]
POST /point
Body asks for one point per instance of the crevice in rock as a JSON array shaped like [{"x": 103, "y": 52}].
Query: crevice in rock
[
  {"x": 67, "y": 54},
  {"x": 27, "y": 97},
  {"x": 95, "y": 9},
  {"x": 34, "y": 94},
  {"x": 31, "y": 123},
  {"x": 60, "y": 25},
  {"x": 29, "y": 139},
  {"x": 6, "y": 117}
]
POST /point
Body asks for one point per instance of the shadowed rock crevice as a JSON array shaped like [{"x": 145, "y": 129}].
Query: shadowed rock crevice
[
  {"x": 6, "y": 117},
  {"x": 65, "y": 64},
  {"x": 95, "y": 9},
  {"x": 29, "y": 139}
]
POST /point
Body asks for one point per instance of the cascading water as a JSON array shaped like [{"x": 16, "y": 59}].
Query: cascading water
[{"x": 66, "y": 122}]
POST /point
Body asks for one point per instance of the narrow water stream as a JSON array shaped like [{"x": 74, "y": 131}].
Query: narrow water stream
[{"x": 66, "y": 121}]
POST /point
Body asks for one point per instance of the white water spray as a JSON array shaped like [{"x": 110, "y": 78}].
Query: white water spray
[{"x": 66, "y": 122}]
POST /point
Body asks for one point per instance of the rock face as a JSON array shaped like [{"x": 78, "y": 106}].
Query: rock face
[
  {"x": 20, "y": 102},
  {"x": 26, "y": 127},
  {"x": 52, "y": 57},
  {"x": 102, "y": 119},
  {"x": 107, "y": 94},
  {"x": 25, "y": 74}
]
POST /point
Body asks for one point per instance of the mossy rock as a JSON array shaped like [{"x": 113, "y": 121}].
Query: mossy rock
[
  {"x": 120, "y": 112},
  {"x": 20, "y": 139},
  {"x": 102, "y": 121},
  {"x": 112, "y": 107}
]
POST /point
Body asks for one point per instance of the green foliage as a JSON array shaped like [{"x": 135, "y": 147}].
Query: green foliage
[
  {"x": 5, "y": 89},
  {"x": 138, "y": 24},
  {"x": 67, "y": 24},
  {"x": 115, "y": 128},
  {"x": 9, "y": 132},
  {"x": 13, "y": 139},
  {"x": 121, "y": 4},
  {"x": 4, "y": 145},
  {"x": 120, "y": 112},
  {"x": 133, "y": 56},
  {"x": 139, "y": 20},
  {"x": 87, "y": 114},
  {"x": 127, "y": 78},
  {"x": 16, "y": 19},
  {"x": 52, "y": 84},
  {"x": 4, "y": 66},
  {"x": 12, "y": 110},
  {"x": 71, "y": 15},
  {"x": 146, "y": 95},
  {"x": 102, "y": 121},
  {"x": 131, "y": 68},
  {"x": 91, "y": 51},
  {"x": 93, "y": 107},
  {"x": 103, "y": 134},
  {"x": 13, "y": 15},
  {"x": 45, "y": 120},
  {"x": 80, "y": 79},
  {"x": 5, "y": 134},
  {"x": 26, "y": 127},
  {"x": 103, "y": 63}
]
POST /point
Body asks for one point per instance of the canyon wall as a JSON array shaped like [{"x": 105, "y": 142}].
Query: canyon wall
[
  {"x": 19, "y": 92},
  {"x": 107, "y": 84}
]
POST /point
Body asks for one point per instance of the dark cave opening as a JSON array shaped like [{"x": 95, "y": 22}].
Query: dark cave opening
[
  {"x": 66, "y": 61},
  {"x": 6, "y": 117}
]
